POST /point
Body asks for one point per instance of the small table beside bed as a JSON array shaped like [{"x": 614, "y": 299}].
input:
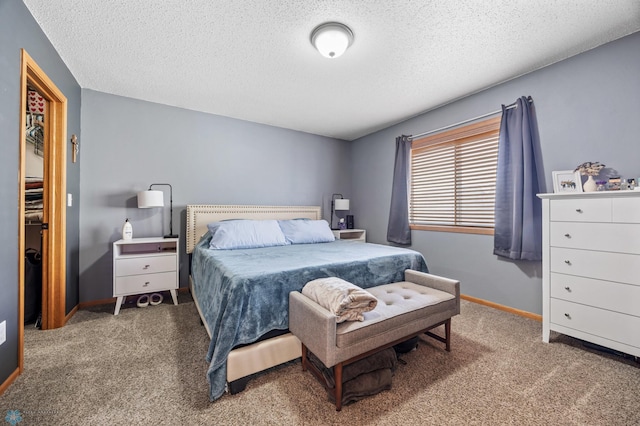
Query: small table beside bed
[{"x": 242, "y": 294}]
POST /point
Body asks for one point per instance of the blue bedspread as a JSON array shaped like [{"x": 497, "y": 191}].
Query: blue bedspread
[{"x": 243, "y": 294}]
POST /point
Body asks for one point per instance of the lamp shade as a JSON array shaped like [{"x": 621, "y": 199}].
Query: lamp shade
[
  {"x": 331, "y": 39},
  {"x": 342, "y": 204},
  {"x": 148, "y": 199}
]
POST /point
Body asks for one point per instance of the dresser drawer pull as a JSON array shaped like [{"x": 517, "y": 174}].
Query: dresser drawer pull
[
  {"x": 567, "y": 235},
  {"x": 146, "y": 284},
  {"x": 568, "y": 289},
  {"x": 567, "y": 316},
  {"x": 568, "y": 262},
  {"x": 579, "y": 210},
  {"x": 146, "y": 266}
]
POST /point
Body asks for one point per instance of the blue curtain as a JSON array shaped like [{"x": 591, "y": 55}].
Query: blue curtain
[
  {"x": 518, "y": 212},
  {"x": 398, "y": 230}
]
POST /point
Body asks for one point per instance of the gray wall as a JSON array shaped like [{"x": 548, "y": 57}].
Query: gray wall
[
  {"x": 588, "y": 109},
  {"x": 19, "y": 30},
  {"x": 129, "y": 144}
]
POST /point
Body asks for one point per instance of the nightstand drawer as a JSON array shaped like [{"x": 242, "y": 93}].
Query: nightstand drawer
[
  {"x": 626, "y": 210},
  {"x": 598, "y": 322},
  {"x": 145, "y": 265},
  {"x": 147, "y": 283},
  {"x": 614, "y": 237},
  {"x": 581, "y": 210},
  {"x": 620, "y": 267},
  {"x": 624, "y": 298}
]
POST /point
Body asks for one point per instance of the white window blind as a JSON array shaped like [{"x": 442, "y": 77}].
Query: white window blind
[{"x": 453, "y": 178}]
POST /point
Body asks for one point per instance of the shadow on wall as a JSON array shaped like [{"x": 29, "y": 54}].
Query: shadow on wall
[
  {"x": 532, "y": 269},
  {"x": 102, "y": 267}
]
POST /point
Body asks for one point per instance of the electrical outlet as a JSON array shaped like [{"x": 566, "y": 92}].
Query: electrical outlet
[{"x": 3, "y": 331}]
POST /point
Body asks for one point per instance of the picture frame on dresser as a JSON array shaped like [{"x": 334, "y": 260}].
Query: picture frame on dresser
[{"x": 566, "y": 181}]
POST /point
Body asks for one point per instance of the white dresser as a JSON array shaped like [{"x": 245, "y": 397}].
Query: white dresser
[
  {"x": 591, "y": 268},
  {"x": 144, "y": 265}
]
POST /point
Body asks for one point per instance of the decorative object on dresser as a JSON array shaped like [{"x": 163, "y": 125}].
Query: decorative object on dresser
[
  {"x": 591, "y": 268},
  {"x": 614, "y": 183},
  {"x": 590, "y": 169},
  {"x": 148, "y": 199},
  {"x": 338, "y": 203},
  {"x": 144, "y": 265},
  {"x": 565, "y": 181}
]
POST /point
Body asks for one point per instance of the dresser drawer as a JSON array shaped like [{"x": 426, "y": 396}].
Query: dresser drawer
[
  {"x": 599, "y": 322},
  {"x": 145, "y": 265},
  {"x": 147, "y": 283},
  {"x": 581, "y": 210},
  {"x": 620, "y": 267},
  {"x": 615, "y": 237},
  {"x": 623, "y": 298},
  {"x": 626, "y": 210}
]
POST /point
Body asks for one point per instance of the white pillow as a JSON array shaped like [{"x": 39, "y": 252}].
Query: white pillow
[
  {"x": 242, "y": 234},
  {"x": 305, "y": 231}
]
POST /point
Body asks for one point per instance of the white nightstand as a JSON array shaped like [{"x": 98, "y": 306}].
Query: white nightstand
[
  {"x": 144, "y": 265},
  {"x": 350, "y": 234}
]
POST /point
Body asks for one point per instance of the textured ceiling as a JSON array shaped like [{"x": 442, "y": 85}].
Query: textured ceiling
[{"x": 252, "y": 59}]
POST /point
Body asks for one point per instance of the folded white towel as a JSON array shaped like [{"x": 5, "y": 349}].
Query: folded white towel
[{"x": 345, "y": 300}]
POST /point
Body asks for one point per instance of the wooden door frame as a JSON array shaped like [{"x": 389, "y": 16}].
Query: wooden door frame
[{"x": 55, "y": 188}]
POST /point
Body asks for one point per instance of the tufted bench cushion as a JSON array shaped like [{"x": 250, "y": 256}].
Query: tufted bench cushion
[{"x": 399, "y": 304}]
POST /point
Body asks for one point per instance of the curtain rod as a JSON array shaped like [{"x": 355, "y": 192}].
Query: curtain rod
[{"x": 513, "y": 105}]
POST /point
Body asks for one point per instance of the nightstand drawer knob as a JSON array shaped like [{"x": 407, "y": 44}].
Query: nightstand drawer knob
[
  {"x": 146, "y": 283},
  {"x": 567, "y": 235},
  {"x": 146, "y": 266},
  {"x": 579, "y": 210},
  {"x": 567, "y": 315},
  {"x": 568, "y": 289},
  {"x": 568, "y": 262}
]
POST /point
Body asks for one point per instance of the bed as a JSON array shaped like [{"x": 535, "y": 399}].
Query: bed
[{"x": 242, "y": 294}]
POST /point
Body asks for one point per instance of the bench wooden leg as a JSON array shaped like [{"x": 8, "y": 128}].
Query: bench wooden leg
[
  {"x": 447, "y": 334},
  {"x": 337, "y": 376},
  {"x": 304, "y": 358}
]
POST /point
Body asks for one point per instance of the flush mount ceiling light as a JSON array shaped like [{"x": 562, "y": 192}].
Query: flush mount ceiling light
[{"x": 331, "y": 39}]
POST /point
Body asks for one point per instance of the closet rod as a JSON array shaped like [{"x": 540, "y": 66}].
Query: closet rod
[{"x": 420, "y": 135}]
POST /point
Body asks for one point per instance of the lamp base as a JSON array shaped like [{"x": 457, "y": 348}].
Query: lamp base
[{"x": 171, "y": 236}]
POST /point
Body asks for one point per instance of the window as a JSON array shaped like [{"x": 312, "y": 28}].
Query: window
[{"x": 453, "y": 179}]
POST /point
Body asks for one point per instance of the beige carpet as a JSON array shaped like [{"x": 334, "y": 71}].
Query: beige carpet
[{"x": 146, "y": 366}]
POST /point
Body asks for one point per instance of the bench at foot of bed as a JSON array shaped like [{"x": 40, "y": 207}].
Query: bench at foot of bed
[{"x": 404, "y": 310}]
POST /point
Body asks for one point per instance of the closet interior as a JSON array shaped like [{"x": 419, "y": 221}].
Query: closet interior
[{"x": 34, "y": 205}]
